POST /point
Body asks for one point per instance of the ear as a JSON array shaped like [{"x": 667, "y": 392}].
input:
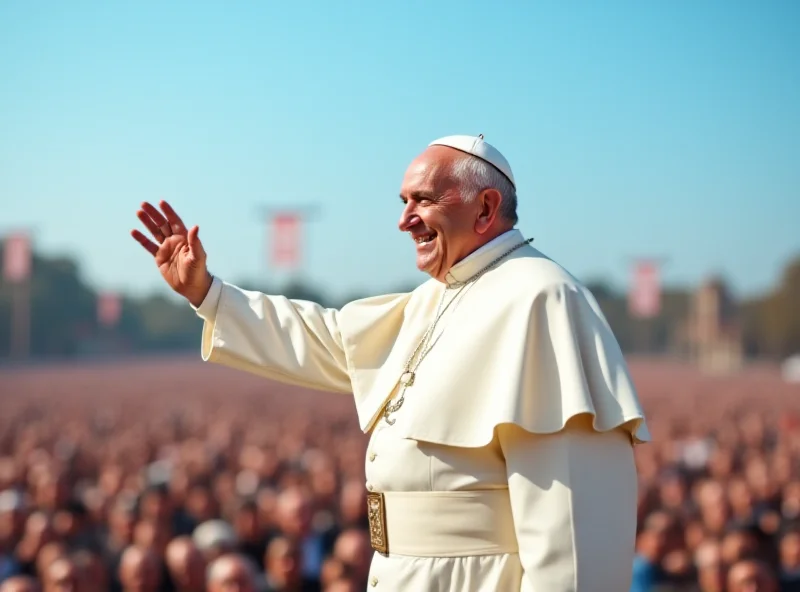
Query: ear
[{"x": 489, "y": 200}]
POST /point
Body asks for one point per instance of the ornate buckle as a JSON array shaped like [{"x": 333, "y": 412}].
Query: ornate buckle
[{"x": 376, "y": 514}]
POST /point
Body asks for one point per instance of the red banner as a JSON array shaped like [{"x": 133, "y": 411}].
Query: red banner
[
  {"x": 17, "y": 258},
  {"x": 109, "y": 309},
  {"x": 644, "y": 300},
  {"x": 286, "y": 240}
]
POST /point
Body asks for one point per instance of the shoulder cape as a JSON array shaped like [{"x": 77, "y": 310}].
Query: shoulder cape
[{"x": 526, "y": 345}]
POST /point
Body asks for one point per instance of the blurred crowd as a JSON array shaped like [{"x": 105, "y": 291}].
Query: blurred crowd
[
  {"x": 189, "y": 479},
  {"x": 185, "y": 488},
  {"x": 719, "y": 499}
]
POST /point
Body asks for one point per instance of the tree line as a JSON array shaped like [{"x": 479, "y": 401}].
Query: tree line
[{"x": 64, "y": 323}]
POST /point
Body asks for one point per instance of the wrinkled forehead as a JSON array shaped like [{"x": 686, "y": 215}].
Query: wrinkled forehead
[{"x": 429, "y": 171}]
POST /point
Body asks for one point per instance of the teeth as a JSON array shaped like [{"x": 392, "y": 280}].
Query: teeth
[{"x": 423, "y": 239}]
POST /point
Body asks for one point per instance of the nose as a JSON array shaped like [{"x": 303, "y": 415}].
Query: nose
[{"x": 409, "y": 217}]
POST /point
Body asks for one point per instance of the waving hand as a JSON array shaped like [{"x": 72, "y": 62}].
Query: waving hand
[{"x": 177, "y": 251}]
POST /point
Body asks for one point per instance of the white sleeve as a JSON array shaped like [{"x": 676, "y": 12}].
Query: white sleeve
[
  {"x": 292, "y": 341},
  {"x": 573, "y": 500},
  {"x": 208, "y": 308}
]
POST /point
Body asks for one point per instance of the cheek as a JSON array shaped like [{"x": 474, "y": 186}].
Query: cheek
[
  {"x": 441, "y": 215},
  {"x": 430, "y": 217}
]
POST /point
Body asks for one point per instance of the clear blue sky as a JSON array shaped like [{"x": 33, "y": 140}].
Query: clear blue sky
[{"x": 633, "y": 128}]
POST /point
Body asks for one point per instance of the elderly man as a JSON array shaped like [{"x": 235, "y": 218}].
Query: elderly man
[{"x": 500, "y": 409}]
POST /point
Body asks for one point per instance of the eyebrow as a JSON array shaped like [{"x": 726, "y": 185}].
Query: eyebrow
[{"x": 418, "y": 195}]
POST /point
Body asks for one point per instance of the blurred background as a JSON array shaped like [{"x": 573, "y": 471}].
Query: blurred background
[{"x": 656, "y": 149}]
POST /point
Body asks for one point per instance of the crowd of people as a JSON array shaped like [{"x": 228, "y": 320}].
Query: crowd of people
[
  {"x": 719, "y": 499},
  {"x": 185, "y": 477},
  {"x": 178, "y": 480}
]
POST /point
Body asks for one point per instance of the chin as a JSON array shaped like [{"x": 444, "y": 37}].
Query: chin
[{"x": 425, "y": 267}]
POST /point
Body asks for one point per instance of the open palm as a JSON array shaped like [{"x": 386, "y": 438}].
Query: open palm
[{"x": 177, "y": 251}]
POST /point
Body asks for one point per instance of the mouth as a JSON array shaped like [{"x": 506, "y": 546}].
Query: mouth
[{"x": 424, "y": 239}]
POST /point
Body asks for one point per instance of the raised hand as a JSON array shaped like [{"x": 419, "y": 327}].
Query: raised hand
[{"x": 178, "y": 252}]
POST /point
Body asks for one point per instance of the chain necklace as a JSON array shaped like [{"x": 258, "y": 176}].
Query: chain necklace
[{"x": 423, "y": 347}]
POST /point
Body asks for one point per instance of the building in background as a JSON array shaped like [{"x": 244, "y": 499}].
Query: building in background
[{"x": 712, "y": 335}]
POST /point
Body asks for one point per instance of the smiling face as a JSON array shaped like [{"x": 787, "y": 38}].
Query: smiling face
[{"x": 443, "y": 219}]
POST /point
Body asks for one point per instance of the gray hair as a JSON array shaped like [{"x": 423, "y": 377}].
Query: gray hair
[{"x": 475, "y": 175}]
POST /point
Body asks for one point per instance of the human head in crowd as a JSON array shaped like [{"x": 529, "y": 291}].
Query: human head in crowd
[
  {"x": 214, "y": 538},
  {"x": 20, "y": 584},
  {"x": 353, "y": 504},
  {"x": 249, "y": 526},
  {"x": 231, "y": 573},
  {"x": 154, "y": 504},
  {"x": 37, "y": 532},
  {"x": 293, "y": 512},
  {"x": 140, "y": 570},
  {"x": 710, "y": 567},
  {"x": 12, "y": 515},
  {"x": 740, "y": 542},
  {"x": 660, "y": 535},
  {"x": 282, "y": 563},
  {"x": 121, "y": 521},
  {"x": 343, "y": 586},
  {"x": 61, "y": 576},
  {"x": 186, "y": 565},
  {"x": 71, "y": 520},
  {"x": 353, "y": 549},
  {"x": 751, "y": 575},
  {"x": 332, "y": 571},
  {"x": 93, "y": 574},
  {"x": 48, "y": 554},
  {"x": 789, "y": 554},
  {"x": 52, "y": 490},
  {"x": 149, "y": 534}
]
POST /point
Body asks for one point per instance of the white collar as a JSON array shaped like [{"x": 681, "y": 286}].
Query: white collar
[{"x": 483, "y": 256}]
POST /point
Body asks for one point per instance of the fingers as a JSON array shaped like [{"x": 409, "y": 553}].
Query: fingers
[
  {"x": 165, "y": 225},
  {"x": 157, "y": 223},
  {"x": 149, "y": 245},
  {"x": 154, "y": 214},
  {"x": 151, "y": 225},
  {"x": 161, "y": 225},
  {"x": 194, "y": 240},
  {"x": 195, "y": 246},
  {"x": 173, "y": 219}
]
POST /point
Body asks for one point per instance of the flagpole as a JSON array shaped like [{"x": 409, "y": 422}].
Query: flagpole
[
  {"x": 17, "y": 259},
  {"x": 21, "y": 320}
]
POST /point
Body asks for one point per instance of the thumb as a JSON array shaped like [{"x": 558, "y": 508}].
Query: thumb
[{"x": 195, "y": 246}]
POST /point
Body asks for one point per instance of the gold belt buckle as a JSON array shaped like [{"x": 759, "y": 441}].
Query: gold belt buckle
[{"x": 376, "y": 513}]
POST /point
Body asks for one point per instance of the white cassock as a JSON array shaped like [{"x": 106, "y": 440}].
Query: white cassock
[{"x": 510, "y": 464}]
